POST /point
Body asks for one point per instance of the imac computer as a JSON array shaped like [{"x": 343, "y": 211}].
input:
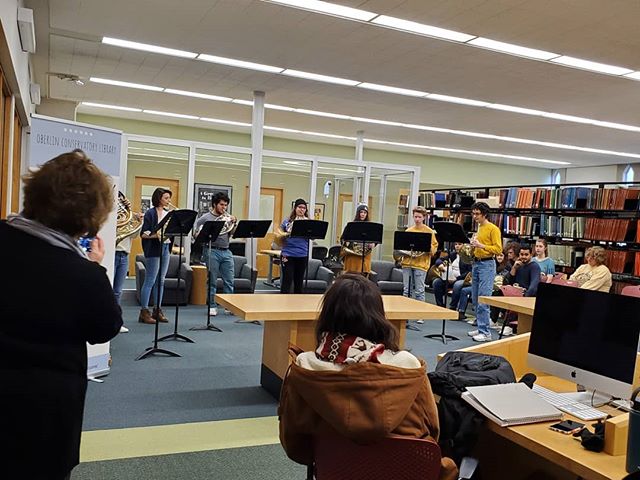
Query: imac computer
[{"x": 587, "y": 337}]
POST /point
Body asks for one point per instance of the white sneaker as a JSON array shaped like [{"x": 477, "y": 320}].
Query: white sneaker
[
  {"x": 473, "y": 333},
  {"x": 420, "y": 321},
  {"x": 482, "y": 338},
  {"x": 507, "y": 331},
  {"x": 124, "y": 329},
  {"x": 213, "y": 311}
]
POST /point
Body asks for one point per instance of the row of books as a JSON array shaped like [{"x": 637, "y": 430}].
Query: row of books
[{"x": 580, "y": 198}]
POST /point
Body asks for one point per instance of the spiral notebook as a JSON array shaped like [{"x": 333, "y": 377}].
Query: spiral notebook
[{"x": 510, "y": 404}]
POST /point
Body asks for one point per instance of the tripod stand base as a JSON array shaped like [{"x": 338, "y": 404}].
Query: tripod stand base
[
  {"x": 442, "y": 336},
  {"x": 176, "y": 336},
  {"x": 155, "y": 350},
  {"x": 209, "y": 326}
]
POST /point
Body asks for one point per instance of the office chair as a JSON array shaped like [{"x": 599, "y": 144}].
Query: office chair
[
  {"x": 319, "y": 253},
  {"x": 631, "y": 290},
  {"x": 395, "y": 457}
]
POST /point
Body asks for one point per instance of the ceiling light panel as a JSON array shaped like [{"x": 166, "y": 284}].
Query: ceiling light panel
[
  {"x": 328, "y": 9},
  {"x": 118, "y": 83},
  {"x": 112, "y": 107},
  {"x": 421, "y": 29},
  {"x": 148, "y": 48},
  {"x": 389, "y": 89},
  {"x": 320, "y": 78},
  {"x": 232, "y": 62},
  {"x": 512, "y": 49},
  {"x": 460, "y": 100},
  {"x": 171, "y": 114},
  {"x": 205, "y": 96},
  {"x": 593, "y": 66}
]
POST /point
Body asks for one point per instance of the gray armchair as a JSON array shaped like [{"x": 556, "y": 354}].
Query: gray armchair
[
  {"x": 244, "y": 278},
  {"x": 318, "y": 277},
  {"x": 177, "y": 283},
  {"x": 388, "y": 278}
]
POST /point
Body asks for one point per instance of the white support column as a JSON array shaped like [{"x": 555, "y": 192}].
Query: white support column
[
  {"x": 191, "y": 180},
  {"x": 255, "y": 175},
  {"x": 383, "y": 193}
]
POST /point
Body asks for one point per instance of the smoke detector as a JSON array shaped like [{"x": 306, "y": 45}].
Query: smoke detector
[{"x": 69, "y": 77}]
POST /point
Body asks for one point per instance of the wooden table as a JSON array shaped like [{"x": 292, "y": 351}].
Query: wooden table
[
  {"x": 292, "y": 319},
  {"x": 523, "y": 306},
  {"x": 533, "y": 451},
  {"x": 199, "y": 287},
  {"x": 273, "y": 254}
]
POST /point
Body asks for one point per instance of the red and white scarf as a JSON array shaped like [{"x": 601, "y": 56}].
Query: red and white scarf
[{"x": 347, "y": 349}]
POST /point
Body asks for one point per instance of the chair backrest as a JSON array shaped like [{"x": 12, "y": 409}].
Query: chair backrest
[
  {"x": 334, "y": 253},
  {"x": 238, "y": 262},
  {"x": 511, "y": 291},
  {"x": 337, "y": 458},
  {"x": 563, "y": 281},
  {"x": 631, "y": 290},
  {"x": 314, "y": 265},
  {"x": 383, "y": 268},
  {"x": 319, "y": 253}
]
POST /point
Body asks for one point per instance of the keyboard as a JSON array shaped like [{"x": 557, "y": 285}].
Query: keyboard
[{"x": 567, "y": 405}]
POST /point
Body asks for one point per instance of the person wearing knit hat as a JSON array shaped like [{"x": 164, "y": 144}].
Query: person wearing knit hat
[
  {"x": 295, "y": 251},
  {"x": 352, "y": 260}
]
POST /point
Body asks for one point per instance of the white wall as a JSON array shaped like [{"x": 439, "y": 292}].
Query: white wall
[
  {"x": 15, "y": 62},
  {"x": 608, "y": 173}
]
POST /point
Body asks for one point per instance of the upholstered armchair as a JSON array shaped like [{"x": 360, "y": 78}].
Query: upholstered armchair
[{"x": 387, "y": 276}]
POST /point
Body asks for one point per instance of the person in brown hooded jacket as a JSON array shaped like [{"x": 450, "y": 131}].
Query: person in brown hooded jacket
[{"x": 357, "y": 383}]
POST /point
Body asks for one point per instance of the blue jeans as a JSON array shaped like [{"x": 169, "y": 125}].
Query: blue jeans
[
  {"x": 220, "y": 263},
  {"x": 417, "y": 278},
  {"x": 465, "y": 292},
  {"x": 455, "y": 294},
  {"x": 152, "y": 276},
  {"x": 120, "y": 273},
  {"x": 483, "y": 274},
  {"x": 440, "y": 291}
]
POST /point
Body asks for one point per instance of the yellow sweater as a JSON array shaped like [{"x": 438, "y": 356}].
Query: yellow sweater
[
  {"x": 423, "y": 262},
  {"x": 489, "y": 235}
]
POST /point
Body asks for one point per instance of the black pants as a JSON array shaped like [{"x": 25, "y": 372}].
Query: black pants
[{"x": 293, "y": 271}]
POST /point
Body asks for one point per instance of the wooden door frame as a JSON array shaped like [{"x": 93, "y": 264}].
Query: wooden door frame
[{"x": 265, "y": 243}]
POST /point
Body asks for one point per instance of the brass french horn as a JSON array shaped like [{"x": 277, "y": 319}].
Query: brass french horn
[
  {"x": 127, "y": 223},
  {"x": 466, "y": 253},
  {"x": 355, "y": 248},
  {"x": 229, "y": 223}
]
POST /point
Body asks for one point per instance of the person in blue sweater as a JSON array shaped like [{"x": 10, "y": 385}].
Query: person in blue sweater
[
  {"x": 295, "y": 251},
  {"x": 524, "y": 273}
]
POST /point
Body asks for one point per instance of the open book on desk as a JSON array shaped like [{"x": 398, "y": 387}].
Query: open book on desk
[{"x": 510, "y": 404}]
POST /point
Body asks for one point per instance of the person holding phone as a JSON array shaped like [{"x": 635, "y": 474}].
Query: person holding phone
[{"x": 44, "y": 332}]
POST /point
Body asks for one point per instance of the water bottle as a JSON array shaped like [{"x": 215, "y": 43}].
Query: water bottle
[{"x": 633, "y": 442}]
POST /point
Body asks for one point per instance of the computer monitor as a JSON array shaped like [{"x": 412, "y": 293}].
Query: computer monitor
[{"x": 587, "y": 337}]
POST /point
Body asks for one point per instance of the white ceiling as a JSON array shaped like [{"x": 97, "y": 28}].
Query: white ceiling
[{"x": 69, "y": 34}]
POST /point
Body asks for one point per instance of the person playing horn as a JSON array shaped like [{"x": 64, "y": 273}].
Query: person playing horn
[
  {"x": 351, "y": 251},
  {"x": 294, "y": 250},
  {"x": 220, "y": 257}
]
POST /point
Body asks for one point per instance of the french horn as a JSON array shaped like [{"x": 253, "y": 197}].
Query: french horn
[
  {"x": 398, "y": 255},
  {"x": 355, "y": 248},
  {"x": 466, "y": 253},
  {"x": 282, "y": 235},
  {"x": 229, "y": 223},
  {"x": 127, "y": 223}
]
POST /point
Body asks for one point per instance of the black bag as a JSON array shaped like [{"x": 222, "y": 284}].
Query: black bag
[{"x": 459, "y": 421}]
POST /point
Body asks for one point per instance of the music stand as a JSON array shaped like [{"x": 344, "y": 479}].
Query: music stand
[
  {"x": 251, "y": 229},
  {"x": 449, "y": 233},
  {"x": 208, "y": 234},
  {"x": 363, "y": 232},
  {"x": 180, "y": 224},
  {"x": 412, "y": 242},
  {"x": 309, "y": 230}
]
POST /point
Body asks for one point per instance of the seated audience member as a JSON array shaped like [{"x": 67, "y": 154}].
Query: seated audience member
[
  {"x": 44, "y": 332},
  {"x": 594, "y": 274},
  {"x": 354, "y": 377},
  {"x": 524, "y": 273},
  {"x": 512, "y": 251},
  {"x": 547, "y": 265},
  {"x": 457, "y": 271}
]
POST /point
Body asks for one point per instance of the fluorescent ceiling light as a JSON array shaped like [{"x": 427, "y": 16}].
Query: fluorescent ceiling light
[
  {"x": 633, "y": 76},
  {"x": 322, "y": 114},
  {"x": 148, "y": 48},
  {"x": 594, "y": 66},
  {"x": 206, "y": 96},
  {"x": 463, "y": 101},
  {"x": 566, "y": 118},
  {"x": 282, "y": 129},
  {"x": 225, "y": 122},
  {"x": 118, "y": 83},
  {"x": 112, "y": 107},
  {"x": 232, "y": 62},
  {"x": 619, "y": 126},
  {"x": 379, "y": 122},
  {"x": 171, "y": 114},
  {"x": 422, "y": 29},
  {"x": 328, "y": 8},
  {"x": 328, "y": 135},
  {"x": 511, "y": 108},
  {"x": 278, "y": 107},
  {"x": 319, "y": 78},
  {"x": 239, "y": 101},
  {"x": 511, "y": 48},
  {"x": 388, "y": 89}
]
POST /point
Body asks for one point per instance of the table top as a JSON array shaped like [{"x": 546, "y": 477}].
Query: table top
[
  {"x": 273, "y": 253},
  {"x": 516, "y": 304},
  {"x": 307, "y": 306}
]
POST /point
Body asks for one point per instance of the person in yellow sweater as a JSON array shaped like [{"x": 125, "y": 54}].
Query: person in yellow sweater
[
  {"x": 414, "y": 269},
  {"x": 487, "y": 244},
  {"x": 353, "y": 262},
  {"x": 593, "y": 275}
]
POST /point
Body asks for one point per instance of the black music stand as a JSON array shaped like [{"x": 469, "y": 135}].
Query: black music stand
[
  {"x": 412, "y": 242},
  {"x": 208, "y": 234},
  {"x": 251, "y": 229},
  {"x": 363, "y": 232},
  {"x": 447, "y": 233},
  {"x": 180, "y": 224},
  {"x": 309, "y": 230}
]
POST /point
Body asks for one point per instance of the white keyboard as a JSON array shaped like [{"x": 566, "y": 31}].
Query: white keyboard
[{"x": 579, "y": 410}]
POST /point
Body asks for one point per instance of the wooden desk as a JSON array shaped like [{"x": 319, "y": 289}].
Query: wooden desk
[
  {"x": 292, "y": 319},
  {"x": 533, "y": 451},
  {"x": 524, "y": 307},
  {"x": 199, "y": 287},
  {"x": 273, "y": 254}
]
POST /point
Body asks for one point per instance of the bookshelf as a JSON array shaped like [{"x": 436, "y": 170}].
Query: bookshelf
[
  {"x": 571, "y": 217},
  {"x": 403, "y": 209}
]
